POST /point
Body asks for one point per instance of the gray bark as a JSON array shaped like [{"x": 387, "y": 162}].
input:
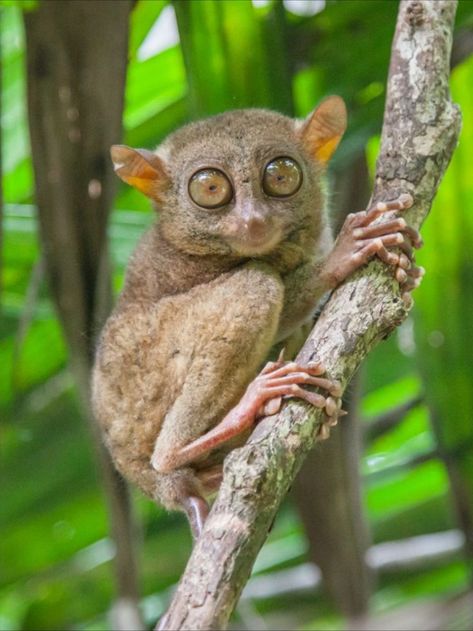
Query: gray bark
[{"x": 420, "y": 131}]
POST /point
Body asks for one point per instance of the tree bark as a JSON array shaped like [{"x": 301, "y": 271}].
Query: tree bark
[
  {"x": 76, "y": 69},
  {"x": 420, "y": 131}
]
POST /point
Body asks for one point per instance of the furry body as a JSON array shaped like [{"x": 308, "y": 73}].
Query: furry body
[{"x": 196, "y": 319}]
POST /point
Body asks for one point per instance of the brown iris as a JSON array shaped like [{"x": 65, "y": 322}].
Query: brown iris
[
  {"x": 210, "y": 188},
  {"x": 282, "y": 177}
]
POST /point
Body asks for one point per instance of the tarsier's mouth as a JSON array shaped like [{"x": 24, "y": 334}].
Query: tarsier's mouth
[{"x": 255, "y": 245}]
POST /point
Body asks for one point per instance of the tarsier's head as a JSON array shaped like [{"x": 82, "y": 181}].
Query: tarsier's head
[{"x": 238, "y": 183}]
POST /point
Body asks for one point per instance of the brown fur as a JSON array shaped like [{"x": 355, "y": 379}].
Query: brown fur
[{"x": 196, "y": 318}]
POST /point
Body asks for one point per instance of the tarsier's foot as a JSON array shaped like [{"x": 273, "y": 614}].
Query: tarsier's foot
[
  {"x": 359, "y": 241},
  {"x": 276, "y": 380},
  {"x": 290, "y": 376}
]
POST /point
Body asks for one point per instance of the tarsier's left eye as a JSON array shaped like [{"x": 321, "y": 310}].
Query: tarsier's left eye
[
  {"x": 210, "y": 188},
  {"x": 282, "y": 177}
]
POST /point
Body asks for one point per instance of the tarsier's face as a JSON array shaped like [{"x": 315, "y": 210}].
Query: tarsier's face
[
  {"x": 251, "y": 225},
  {"x": 239, "y": 183}
]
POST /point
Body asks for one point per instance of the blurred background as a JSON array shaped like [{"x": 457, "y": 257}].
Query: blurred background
[{"x": 378, "y": 531}]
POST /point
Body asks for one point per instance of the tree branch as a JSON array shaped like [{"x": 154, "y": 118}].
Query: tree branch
[
  {"x": 420, "y": 131},
  {"x": 385, "y": 422}
]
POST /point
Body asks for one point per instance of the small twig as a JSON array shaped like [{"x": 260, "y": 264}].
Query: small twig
[
  {"x": 402, "y": 467},
  {"x": 380, "y": 425}
]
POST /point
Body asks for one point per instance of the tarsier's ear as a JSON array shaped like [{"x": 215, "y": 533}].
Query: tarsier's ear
[
  {"x": 140, "y": 168},
  {"x": 322, "y": 130}
]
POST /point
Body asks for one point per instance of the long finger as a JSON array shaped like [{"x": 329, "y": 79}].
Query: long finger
[
  {"x": 378, "y": 209},
  {"x": 317, "y": 400},
  {"x": 333, "y": 387},
  {"x": 313, "y": 368},
  {"x": 387, "y": 227}
]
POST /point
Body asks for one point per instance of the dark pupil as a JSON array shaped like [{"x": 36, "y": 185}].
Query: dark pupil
[
  {"x": 280, "y": 178},
  {"x": 213, "y": 187}
]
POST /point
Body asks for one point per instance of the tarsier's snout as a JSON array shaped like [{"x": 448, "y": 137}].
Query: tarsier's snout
[{"x": 252, "y": 230}]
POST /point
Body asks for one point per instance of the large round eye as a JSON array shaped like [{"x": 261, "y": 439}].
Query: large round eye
[
  {"x": 282, "y": 177},
  {"x": 210, "y": 188}
]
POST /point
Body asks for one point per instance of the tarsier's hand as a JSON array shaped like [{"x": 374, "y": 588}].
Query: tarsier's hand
[{"x": 359, "y": 241}]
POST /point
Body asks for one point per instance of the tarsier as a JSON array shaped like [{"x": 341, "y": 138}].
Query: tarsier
[{"x": 240, "y": 257}]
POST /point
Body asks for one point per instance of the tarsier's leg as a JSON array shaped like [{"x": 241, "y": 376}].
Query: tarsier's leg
[
  {"x": 219, "y": 354},
  {"x": 359, "y": 240},
  {"x": 211, "y": 478},
  {"x": 277, "y": 379}
]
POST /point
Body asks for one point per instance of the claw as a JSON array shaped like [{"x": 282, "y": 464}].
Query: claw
[
  {"x": 406, "y": 200},
  {"x": 316, "y": 367},
  {"x": 336, "y": 389},
  {"x": 404, "y": 262},
  {"x": 331, "y": 406},
  {"x": 401, "y": 275},
  {"x": 323, "y": 432}
]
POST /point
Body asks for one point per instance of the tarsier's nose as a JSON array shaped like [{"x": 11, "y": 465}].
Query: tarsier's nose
[
  {"x": 255, "y": 223},
  {"x": 256, "y": 227},
  {"x": 251, "y": 230}
]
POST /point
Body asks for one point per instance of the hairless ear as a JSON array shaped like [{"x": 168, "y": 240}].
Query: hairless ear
[
  {"x": 140, "y": 168},
  {"x": 322, "y": 130}
]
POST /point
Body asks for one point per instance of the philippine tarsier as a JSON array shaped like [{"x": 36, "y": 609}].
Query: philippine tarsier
[{"x": 237, "y": 262}]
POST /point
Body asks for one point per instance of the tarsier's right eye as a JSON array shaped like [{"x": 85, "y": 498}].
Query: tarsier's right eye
[
  {"x": 210, "y": 188},
  {"x": 282, "y": 177}
]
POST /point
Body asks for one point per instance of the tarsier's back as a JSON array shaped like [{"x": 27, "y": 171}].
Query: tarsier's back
[{"x": 237, "y": 261}]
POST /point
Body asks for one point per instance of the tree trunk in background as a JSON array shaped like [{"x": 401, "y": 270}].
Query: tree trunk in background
[
  {"x": 334, "y": 520},
  {"x": 76, "y": 69}
]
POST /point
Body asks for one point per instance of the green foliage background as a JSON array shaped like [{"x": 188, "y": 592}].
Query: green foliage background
[{"x": 54, "y": 551}]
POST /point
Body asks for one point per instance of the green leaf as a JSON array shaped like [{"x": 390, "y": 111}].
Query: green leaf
[{"x": 143, "y": 17}]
